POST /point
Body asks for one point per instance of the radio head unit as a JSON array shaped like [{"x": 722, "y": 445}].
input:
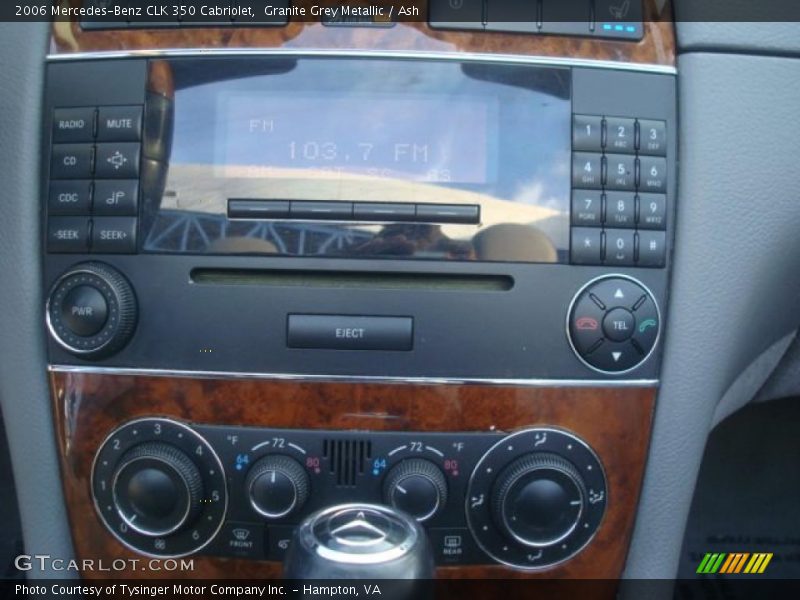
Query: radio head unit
[{"x": 365, "y": 158}]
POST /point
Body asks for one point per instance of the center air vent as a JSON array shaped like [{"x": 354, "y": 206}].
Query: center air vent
[{"x": 347, "y": 459}]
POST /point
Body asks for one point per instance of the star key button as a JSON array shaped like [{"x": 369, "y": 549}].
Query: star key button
[{"x": 586, "y": 246}]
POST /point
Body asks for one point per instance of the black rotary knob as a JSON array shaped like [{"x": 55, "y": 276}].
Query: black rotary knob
[
  {"x": 417, "y": 487},
  {"x": 539, "y": 499},
  {"x": 157, "y": 489},
  {"x": 277, "y": 486},
  {"x": 92, "y": 311}
]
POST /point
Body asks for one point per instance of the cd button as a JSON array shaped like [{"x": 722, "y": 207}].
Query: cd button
[
  {"x": 71, "y": 161},
  {"x": 343, "y": 332}
]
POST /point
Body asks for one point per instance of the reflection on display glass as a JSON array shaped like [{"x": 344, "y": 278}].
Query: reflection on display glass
[{"x": 364, "y": 130}]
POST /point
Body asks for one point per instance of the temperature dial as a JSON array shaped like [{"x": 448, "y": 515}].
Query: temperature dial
[
  {"x": 277, "y": 486},
  {"x": 417, "y": 487}
]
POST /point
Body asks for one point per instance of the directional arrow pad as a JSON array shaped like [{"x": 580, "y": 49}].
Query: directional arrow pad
[{"x": 614, "y": 324}]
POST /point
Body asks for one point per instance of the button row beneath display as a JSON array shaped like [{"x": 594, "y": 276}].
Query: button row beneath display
[
  {"x": 102, "y": 235},
  {"x": 112, "y": 197},
  {"x": 619, "y": 247},
  {"x": 593, "y": 208},
  {"x": 619, "y": 172},
  {"x": 104, "y": 161},
  {"x": 619, "y": 135},
  {"x": 354, "y": 211},
  {"x": 104, "y": 124}
]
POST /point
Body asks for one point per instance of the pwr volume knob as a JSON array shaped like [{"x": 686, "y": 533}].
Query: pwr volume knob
[{"x": 92, "y": 311}]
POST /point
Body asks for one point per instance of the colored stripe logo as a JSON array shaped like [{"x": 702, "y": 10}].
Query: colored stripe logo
[{"x": 734, "y": 563}]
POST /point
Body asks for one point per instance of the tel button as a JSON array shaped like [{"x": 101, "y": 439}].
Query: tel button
[
  {"x": 84, "y": 310},
  {"x": 618, "y": 325}
]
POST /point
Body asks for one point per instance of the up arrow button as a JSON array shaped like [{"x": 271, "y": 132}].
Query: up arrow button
[{"x": 619, "y": 295}]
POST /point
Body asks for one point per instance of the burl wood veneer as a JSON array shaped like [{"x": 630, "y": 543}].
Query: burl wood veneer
[
  {"x": 657, "y": 46},
  {"x": 614, "y": 421}
]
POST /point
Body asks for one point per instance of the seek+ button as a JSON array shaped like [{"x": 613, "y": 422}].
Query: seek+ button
[{"x": 342, "y": 332}]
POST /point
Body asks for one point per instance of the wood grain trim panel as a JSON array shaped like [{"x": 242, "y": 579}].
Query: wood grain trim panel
[
  {"x": 657, "y": 46},
  {"x": 614, "y": 421}
]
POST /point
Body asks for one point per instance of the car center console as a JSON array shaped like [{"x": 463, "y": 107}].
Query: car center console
[{"x": 415, "y": 265}]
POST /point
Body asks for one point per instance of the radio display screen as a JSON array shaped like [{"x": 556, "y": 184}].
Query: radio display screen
[
  {"x": 419, "y": 137},
  {"x": 366, "y": 130}
]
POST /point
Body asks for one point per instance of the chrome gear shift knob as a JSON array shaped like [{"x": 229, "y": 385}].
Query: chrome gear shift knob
[{"x": 359, "y": 541}]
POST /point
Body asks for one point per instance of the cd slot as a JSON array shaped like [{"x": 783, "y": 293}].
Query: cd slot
[
  {"x": 366, "y": 212},
  {"x": 353, "y": 280}
]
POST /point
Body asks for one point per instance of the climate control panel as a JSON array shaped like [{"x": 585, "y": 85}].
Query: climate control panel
[{"x": 529, "y": 499}]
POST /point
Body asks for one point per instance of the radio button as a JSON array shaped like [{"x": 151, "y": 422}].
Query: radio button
[
  {"x": 116, "y": 197},
  {"x": 587, "y": 170},
  {"x": 587, "y": 208},
  {"x": 621, "y": 172},
  {"x": 620, "y": 209},
  {"x": 70, "y": 197},
  {"x": 117, "y": 161},
  {"x": 586, "y": 248},
  {"x": 68, "y": 234},
  {"x": 119, "y": 124},
  {"x": 619, "y": 247},
  {"x": 71, "y": 161},
  {"x": 114, "y": 235},
  {"x": 342, "y": 332},
  {"x": 73, "y": 125},
  {"x": 621, "y": 135},
  {"x": 587, "y": 133}
]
